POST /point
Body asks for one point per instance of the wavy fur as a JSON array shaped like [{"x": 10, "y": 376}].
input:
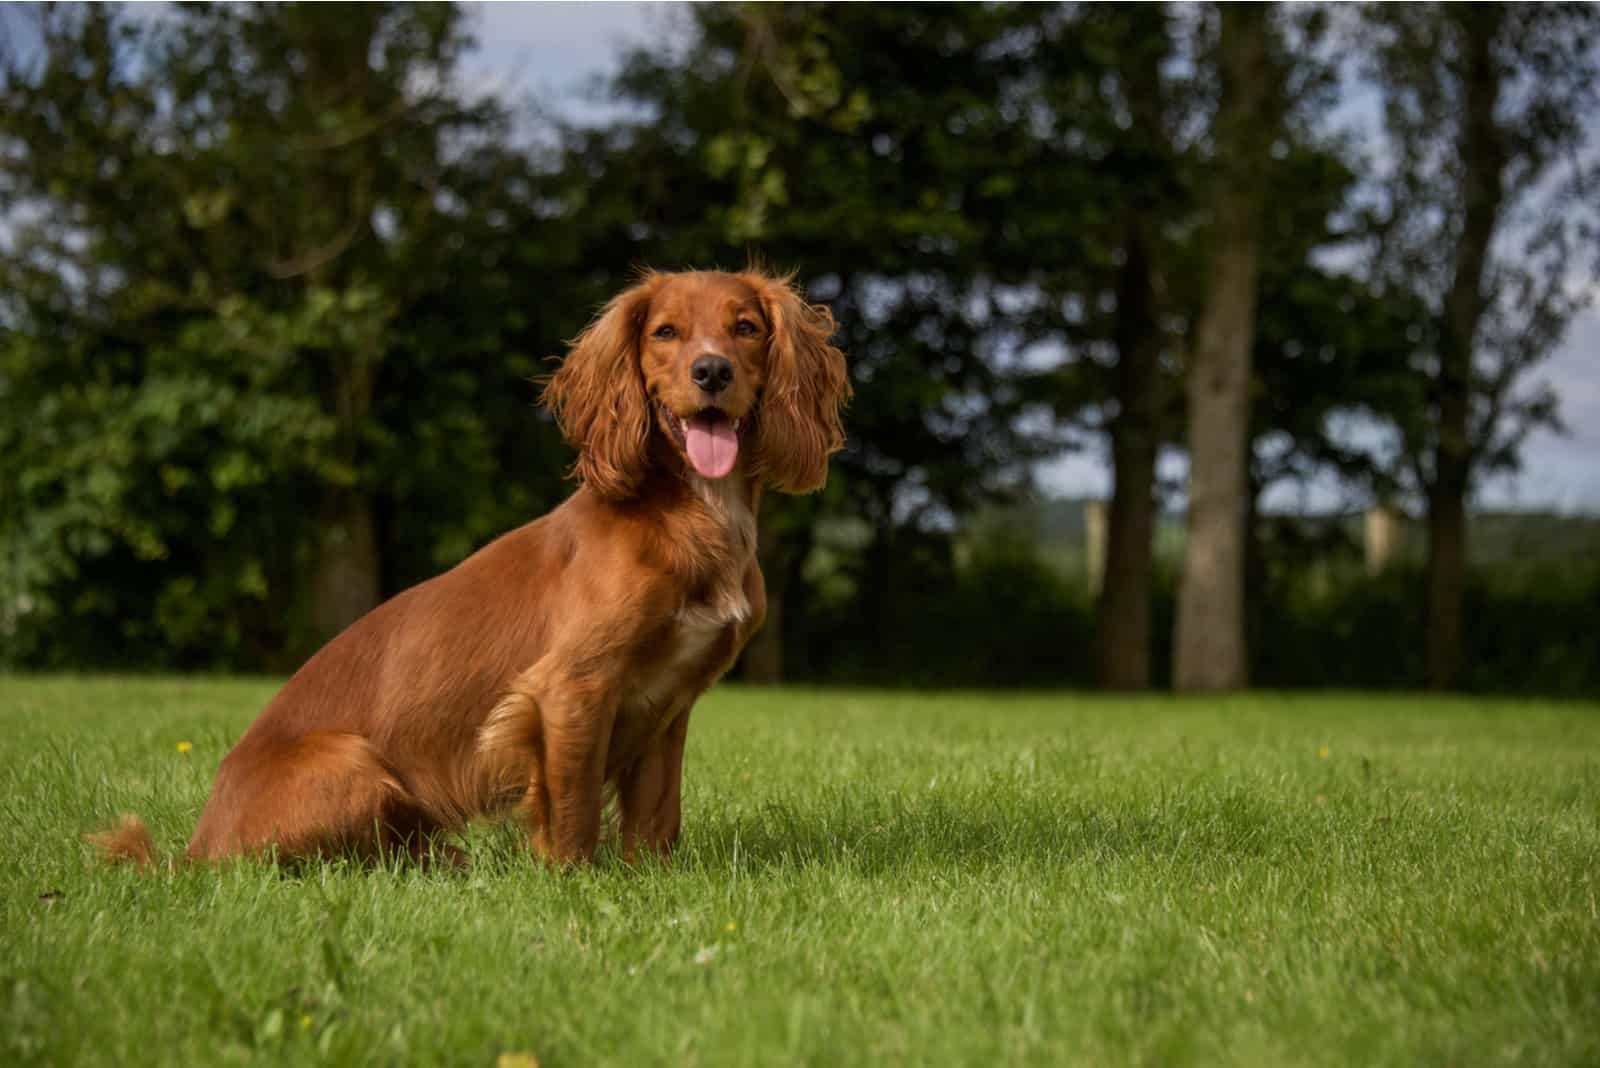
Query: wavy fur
[{"x": 556, "y": 668}]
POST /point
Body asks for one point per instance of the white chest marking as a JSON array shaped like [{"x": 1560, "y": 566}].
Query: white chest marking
[{"x": 692, "y": 638}]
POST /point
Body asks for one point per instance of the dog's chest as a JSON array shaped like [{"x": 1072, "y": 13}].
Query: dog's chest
[
  {"x": 685, "y": 657},
  {"x": 701, "y": 639}
]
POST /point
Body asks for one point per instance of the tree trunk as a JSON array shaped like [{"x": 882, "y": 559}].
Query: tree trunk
[
  {"x": 1447, "y": 573},
  {"x": 1255, "y": 567},
  {"x": 344, "y": 584},
  {"x": 1209, "y": 646},
  {"x": 1482, "y": 159},
  {"x": 1122, "y": 617},
  {"x": 346, "y": 581},
  {"x": 1122, "y": 613}
]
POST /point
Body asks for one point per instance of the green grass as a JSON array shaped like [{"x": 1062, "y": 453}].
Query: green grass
[{"x": 864, "y": 878}]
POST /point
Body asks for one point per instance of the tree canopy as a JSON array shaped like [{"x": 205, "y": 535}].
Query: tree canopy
[{"x": 276, "y": 284}]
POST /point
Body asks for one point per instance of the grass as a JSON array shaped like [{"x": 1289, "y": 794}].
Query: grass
[{"x": 864, "y": 878}]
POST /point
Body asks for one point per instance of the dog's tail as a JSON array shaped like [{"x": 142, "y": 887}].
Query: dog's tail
[{"x": 129, "y": 842}]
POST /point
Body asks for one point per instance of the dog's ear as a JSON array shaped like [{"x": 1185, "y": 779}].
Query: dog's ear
[
  {"x": 599, "y": 399},
  {"x": 807, "y": 384}
]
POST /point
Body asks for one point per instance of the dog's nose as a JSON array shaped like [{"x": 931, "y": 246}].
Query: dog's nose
[{"x": 711, "y": 373}]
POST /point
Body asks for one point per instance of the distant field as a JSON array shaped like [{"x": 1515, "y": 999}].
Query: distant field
[{"x": 864, "y": 878}]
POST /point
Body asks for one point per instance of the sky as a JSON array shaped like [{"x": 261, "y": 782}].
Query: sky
[{"x": 553, "y": 49}]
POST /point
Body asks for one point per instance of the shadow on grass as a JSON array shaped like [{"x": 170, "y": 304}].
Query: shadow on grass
[{"x": 881, "y": 835}]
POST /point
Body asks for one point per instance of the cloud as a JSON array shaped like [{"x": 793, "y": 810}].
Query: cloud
[
  {"x": 552, "y": 48},
  {"x": 576, "y": 27}
]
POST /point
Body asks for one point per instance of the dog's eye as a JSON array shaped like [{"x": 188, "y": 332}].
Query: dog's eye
[
  {"x": 666, "y": 333},
  {"x": 745, "y": 328}
]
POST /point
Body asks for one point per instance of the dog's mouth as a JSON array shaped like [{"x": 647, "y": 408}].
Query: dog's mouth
[{"x": 708, "y": 438}]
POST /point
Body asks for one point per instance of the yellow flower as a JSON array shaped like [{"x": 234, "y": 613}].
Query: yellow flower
[
  {"x": 305, "y": 1022},
  {"x": 1323, "y": 751},
  {"x": 731, "y": 926},
  {"x": 516, "y": 1059},
  {"x": 184, "y": 747}
]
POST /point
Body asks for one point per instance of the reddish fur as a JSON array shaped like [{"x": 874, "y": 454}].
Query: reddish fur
[
  {"x": 560, "y": 661},
  {"x": 127, "y": 843}
]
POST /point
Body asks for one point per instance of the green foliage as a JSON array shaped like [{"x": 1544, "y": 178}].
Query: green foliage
[
  {"x": 878, "y": 152},
  {"x": 910, "y": 613},
  {"x": 1007, "y": 606},
  {"x": 956, "y": 879},
  {"x": 1526, "y": 630},
  {"x": 266, "y": 266},
  {"x": 264, "y": 257}
]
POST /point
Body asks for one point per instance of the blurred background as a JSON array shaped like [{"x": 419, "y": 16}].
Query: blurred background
[{"x": 1194, "y": 346}]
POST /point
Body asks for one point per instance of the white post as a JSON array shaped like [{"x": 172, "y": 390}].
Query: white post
[
  {"x": 1096, "y": 518},
  {"x": 1382, "y": 537}
]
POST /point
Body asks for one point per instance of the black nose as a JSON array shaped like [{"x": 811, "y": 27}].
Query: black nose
[{"x": 711, "y": 373}]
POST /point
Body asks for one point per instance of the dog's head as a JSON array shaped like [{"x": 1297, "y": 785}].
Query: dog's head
[{"x": 732, "y": 369}]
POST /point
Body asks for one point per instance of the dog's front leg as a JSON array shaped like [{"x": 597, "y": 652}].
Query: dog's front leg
[
  {"x": 577, "y": 733},
  {"x": 649, "y": 792}
]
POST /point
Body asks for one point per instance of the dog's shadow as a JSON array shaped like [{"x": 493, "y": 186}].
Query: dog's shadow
[
  {"x": 891, "y": 834},
  {"x": 883, "y": 834}
]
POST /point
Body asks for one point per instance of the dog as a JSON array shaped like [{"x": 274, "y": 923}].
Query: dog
[{"x": 557, "y": 667}]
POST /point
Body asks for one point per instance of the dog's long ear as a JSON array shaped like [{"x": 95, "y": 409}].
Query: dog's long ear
[
  {"x": 599, "y": 399},
  {"x": 807, "y": 384}
]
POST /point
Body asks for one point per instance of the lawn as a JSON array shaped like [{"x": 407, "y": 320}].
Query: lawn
[{"x": 864, "y": 878}]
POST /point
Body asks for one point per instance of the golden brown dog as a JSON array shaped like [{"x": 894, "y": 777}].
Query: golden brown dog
[{"x": 566, "y": 656}]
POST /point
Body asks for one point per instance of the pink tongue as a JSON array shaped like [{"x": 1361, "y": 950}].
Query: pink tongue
[{"x": 713, "y": 446}]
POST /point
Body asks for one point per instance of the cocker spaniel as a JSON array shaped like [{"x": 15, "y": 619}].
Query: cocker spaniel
[{"x": 561, "y": 662}]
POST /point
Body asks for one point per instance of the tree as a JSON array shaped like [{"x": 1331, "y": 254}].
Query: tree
[
  {"x": 883, "y": 153},
  {"x": 265, "y": 317},
  {"x": 1148, "y": 188},
  {"x": 1209, "y": 647},
  {"x": 1483, "y": 219},
  {"x": 1330, "y": 355}
]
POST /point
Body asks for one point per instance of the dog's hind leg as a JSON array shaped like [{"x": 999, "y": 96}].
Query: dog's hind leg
[
  {"x": 548, "y": 736},
  {"x": 327, "y": 792},
  {"x": 511, "y": 747}
]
